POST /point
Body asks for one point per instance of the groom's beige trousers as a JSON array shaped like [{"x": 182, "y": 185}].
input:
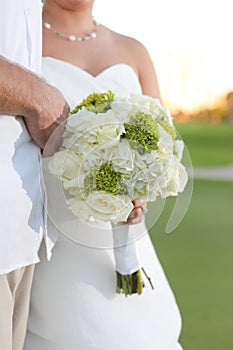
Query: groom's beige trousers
[{"x": 15, "y": 288}]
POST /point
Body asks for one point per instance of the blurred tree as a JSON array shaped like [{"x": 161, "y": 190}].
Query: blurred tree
[{"x": 229, "y": 100}]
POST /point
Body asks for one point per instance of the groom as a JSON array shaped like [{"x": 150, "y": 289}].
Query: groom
[
  {"x": 30, "y": 110},
  {"x": 27, "y": 103}
]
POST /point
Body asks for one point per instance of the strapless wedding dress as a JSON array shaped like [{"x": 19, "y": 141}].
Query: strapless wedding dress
[{"x": 74, "y": 305}]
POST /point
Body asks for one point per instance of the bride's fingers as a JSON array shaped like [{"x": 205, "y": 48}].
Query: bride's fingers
[
  {"x": 136, "y": 216},
  {"x": 138, "y": 203}
]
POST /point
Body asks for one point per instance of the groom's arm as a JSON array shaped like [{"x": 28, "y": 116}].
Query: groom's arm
[{"x": 24, "y": 93}]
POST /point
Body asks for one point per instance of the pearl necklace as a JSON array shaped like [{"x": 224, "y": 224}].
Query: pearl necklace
[{"x": 73, "y": 37}]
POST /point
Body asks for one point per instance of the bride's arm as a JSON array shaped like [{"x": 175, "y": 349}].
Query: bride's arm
[
  {"x": 24, "y": 93},
  {"x": 147, "y": 75},
  {"x": 139, "y": 58}
]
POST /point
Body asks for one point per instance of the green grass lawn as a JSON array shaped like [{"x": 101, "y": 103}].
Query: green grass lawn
[
  {"x": 208, "y": 144},
  {"x": 198, "y": 260}
]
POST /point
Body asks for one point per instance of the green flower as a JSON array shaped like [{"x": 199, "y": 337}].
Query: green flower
[
  {"x": 142, "y": 132},
  {"x": 104, "y": 178},
  {"x": 97, "y": 103}
]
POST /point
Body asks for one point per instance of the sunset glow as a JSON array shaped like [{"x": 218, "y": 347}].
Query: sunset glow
[{"x": 190, "y": 43}]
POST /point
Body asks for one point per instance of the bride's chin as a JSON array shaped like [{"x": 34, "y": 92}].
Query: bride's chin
[{"x": 72, "y": 4}]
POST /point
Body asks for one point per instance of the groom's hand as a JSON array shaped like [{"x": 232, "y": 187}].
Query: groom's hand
[
  {"x": 43, "y": 107},
  {"x": 48, "y": 114},
  {"x": 137, "y": 214}
]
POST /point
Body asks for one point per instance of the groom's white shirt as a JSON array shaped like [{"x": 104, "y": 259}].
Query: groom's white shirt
[{"x": 21, "y": 205}]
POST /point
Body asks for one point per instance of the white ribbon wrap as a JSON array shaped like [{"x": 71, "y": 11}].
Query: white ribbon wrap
[{"x": 126, "y": 253}]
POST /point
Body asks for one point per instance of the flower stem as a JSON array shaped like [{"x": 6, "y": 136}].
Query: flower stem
[
  {"x": 129, "y": 284},
  {"x": 149, "y": 279}
]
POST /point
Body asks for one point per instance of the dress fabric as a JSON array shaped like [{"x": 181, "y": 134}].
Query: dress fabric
[{"x": 74, "y": 305}]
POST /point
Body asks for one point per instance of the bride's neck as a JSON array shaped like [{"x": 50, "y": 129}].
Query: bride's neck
[{"x": 78, "y": 20}]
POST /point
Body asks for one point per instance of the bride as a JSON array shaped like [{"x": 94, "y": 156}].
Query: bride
[{"x": 74, "y": 304}]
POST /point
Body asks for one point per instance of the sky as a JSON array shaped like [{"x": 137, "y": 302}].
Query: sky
[{"x": 190, "y": 43}]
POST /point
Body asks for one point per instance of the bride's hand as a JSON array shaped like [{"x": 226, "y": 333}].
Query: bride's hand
[{"x": 137, "y": 214}]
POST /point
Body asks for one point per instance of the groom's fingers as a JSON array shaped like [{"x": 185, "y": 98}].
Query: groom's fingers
[{"x": 47, "y": 112}]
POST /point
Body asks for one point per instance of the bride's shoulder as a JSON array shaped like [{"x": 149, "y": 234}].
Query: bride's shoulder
[
  {"x": 126, "y": 44},
  {"x": 126, "y": 41},
  {"x": 132, "y": 51}
]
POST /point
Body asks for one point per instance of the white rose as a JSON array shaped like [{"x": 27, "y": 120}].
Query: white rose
[
  {"x": 56, "y": 164},
  {"x": 65, "y": 164},
  {"x": 70, "y": 140},
  {"x": 103, "y": 128},
  {"x": 72, "y": 165},
  {"x": 75, "y": 121},
  {"x": 83, "y": 147},
  {"x": 78, "y": 192},
  {"x": 79, "y": 208},
  {"x": 108, "y": 129},
  {"x": 76, "y": 182},
  {"x": 108, "y": 207}
]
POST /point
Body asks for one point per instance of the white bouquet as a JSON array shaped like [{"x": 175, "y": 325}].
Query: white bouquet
[{"x": 115, "y": 150}]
